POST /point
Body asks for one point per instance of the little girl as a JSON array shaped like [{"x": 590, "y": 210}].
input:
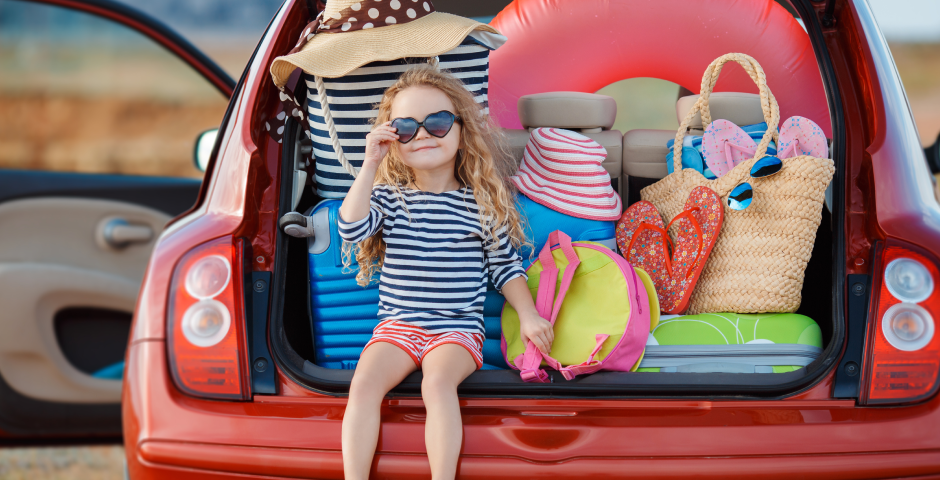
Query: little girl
[{"x": 432, "y": 188}]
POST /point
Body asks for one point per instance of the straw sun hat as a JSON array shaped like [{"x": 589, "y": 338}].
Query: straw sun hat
[
  {"x": 351, "y": 33},
  {"x": 562, "y": 170}
]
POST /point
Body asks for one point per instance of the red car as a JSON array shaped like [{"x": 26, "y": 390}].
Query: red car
[{"x": 253, "y": 404}]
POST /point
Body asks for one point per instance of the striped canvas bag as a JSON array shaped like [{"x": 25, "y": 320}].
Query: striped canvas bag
[{"x": 352, "y": 103}]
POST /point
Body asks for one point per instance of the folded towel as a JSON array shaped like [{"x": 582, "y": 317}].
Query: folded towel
[{"x": 692, "y": 149}]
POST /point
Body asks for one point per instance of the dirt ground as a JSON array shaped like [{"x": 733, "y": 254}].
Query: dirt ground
[
  {"x": 66, "y": 463},
  {"x": 919, "y": 66}
]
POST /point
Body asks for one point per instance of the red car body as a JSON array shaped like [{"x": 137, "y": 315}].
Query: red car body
[{"x": 808, "y": 433}]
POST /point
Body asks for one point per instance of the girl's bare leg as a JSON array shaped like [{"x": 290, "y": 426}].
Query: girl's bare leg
[
  {"x": 381, "y": 367},
  {"x": 444, "y": 368}
]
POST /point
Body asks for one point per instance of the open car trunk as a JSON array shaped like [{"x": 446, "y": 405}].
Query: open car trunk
[
  {"x": 293, "y": 342},
  {"x": 823, "y": 298}
]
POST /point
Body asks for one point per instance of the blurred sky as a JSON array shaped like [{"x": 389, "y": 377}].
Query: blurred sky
[
  {"x": 908, "y": 20},
  {"x": 228, "y": 30},
  {"x": 203, "y": 20}
]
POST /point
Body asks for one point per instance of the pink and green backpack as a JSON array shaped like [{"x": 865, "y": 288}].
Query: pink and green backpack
[{"x": 602, "y": 310}]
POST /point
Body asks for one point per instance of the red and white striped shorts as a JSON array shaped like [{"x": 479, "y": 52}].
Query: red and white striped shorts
[{"x": 417, "y": 342}]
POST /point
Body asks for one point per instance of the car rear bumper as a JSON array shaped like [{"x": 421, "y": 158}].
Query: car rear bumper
[
  {"x": 171, "y": 435},
  {"x": 227, "y": 461}
]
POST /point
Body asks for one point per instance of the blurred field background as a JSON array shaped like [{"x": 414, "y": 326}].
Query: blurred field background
[
  {"x": 919, "y": 65},
  {"x": 82, "y": 94},
  {"x": 77, "y": 94},
  {"x": 79, "y": 463}
]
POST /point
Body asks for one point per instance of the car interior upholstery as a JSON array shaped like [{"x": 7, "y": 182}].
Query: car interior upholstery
[
  {"x": 635, "y": 159},
  {"x": 644, "y": 150},
  {"x": 586, "y": 113}
]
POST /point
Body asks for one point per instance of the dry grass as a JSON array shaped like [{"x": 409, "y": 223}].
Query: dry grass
[
  {"x": 103, "y": 135},
  {"x": 67, "y": 463},
  {"x": 130, "y": 111},
  {"x": 919, "y": 66}
]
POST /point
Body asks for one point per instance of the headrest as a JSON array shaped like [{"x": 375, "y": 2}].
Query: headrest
[
  {"x": 587, "y": 112},
  {"x": 739, "y": 108}
]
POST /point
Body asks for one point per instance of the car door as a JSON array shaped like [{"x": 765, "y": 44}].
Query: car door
[{"x": 100, "y": 108}]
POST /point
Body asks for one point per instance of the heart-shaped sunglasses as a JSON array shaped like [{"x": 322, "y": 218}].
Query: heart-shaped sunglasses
[{"x": 437, "y": 124}]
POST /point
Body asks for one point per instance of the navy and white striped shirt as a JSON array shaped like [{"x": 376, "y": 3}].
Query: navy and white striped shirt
[
  {"x": 437, "y": 257},
  {"x": 353, "y": 101}
]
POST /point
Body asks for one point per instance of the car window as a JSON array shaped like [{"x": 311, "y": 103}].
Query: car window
[
  {"x": 644, "y": 103},
  {"x": 79, "y": 93},
  {"x": 225, "y": 30}
]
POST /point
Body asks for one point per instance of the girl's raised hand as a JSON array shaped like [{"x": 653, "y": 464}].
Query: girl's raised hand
[{"x": 378, "y": 142}]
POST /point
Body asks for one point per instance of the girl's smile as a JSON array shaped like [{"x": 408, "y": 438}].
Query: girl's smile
[{"x": 423, "y": 148}]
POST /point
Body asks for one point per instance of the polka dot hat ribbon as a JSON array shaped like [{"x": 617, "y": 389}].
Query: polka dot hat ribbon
[{"x": 342, "y": 16}]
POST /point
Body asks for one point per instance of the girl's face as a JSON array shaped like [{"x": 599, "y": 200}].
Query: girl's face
[{"x": 425, "y": 151}]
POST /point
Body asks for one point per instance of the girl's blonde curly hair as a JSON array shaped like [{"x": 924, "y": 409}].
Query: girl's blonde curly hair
[{"x": 483, "y": 164}]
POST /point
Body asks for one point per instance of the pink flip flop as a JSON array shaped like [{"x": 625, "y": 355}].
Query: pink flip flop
[
  {"x": 725, "y": 145},
  {"x": 801, "y": 136}
]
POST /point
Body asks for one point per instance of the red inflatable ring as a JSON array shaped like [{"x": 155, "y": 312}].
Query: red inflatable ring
[{"x": 584, "y": 45}]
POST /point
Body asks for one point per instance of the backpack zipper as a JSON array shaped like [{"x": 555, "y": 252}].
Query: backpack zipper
[{"x": 636, "y": 289}]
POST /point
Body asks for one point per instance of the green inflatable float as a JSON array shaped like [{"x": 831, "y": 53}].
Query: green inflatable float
[{"x": 732, "y": 343}]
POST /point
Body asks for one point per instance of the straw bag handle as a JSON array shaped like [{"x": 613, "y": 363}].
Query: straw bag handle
[{"x": 768, "y": 105}]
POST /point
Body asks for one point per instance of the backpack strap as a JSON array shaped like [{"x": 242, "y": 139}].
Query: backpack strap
[
  {"x": 547, "y": 304},
  {"x": 588, "y": 366}
]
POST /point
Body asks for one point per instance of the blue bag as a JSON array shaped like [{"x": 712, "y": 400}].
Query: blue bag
[{"x": 692, "y": 150}]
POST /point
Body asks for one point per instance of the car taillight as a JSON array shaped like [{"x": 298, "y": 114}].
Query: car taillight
[
  {"x": 205, "y": 322},
  {"x": 903, "y": 351}
]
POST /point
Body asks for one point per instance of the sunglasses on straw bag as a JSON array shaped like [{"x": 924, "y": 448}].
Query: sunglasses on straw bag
[{"x": 769, "y": 228}]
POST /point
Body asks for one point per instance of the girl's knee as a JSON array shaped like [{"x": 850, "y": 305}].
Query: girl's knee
[
  {"x": 438, "y": 385},
  {"x": 365, "y": 390}
]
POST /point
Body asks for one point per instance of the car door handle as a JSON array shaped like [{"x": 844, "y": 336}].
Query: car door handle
[{"x": 119, "y": 233}]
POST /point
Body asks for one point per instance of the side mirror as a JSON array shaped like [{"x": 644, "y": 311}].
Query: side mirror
[
  {"x": 205, "y": 142},
  {"x": 933, "y": 156}
]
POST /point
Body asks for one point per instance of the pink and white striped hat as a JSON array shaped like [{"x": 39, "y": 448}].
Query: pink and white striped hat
[{"x": 562, "y": 170}]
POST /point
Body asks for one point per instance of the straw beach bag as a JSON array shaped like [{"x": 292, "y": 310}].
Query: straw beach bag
[{"x": 758, "y": 262}]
